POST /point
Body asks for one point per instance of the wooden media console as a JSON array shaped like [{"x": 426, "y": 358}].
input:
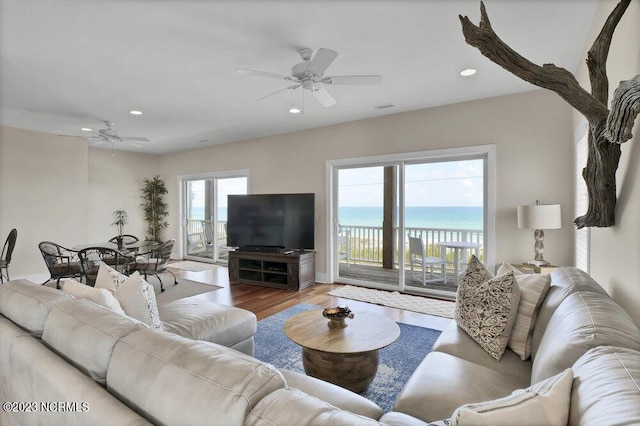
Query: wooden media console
[{"x": 293, "y": 271}]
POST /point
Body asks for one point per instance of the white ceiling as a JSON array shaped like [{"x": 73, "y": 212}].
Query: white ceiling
[{"x": 67, "y": 64}]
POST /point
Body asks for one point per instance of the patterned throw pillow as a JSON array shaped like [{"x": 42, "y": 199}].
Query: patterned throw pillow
[
  {"x": 486, "y": 306},
  {"x": 109, "y": 278},
  {"x": 138, "y": 299},
  {"x": 545, "y": 403},
  {"x": 533, "y": 290}
]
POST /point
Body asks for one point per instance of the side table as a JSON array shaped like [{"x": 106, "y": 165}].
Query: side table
[
  {"x": 533, "y": 269},
  {"x": 348, "y": 356}
]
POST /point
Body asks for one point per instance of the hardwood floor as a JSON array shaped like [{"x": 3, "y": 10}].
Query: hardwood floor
[{"x": 265, "y": 301}]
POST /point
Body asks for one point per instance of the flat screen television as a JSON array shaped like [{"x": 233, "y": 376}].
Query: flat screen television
[{"x": 271, "y": 221}]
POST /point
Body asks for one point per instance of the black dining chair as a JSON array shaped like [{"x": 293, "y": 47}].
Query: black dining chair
[
  {"x": 61, "y": 262},
  {"x": 91, "y": 257},
  {"x": 7, "y": 251},
  {"x": 155, "y": 262},
  {"x": 126, "y": 239}
]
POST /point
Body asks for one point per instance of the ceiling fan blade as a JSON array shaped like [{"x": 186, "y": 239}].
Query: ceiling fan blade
[
  {"x": 321, "y": 94},
  {"x": 322, "y": 59},
  {"x": 294, "y": 86},
  {"x": 97, "y": 141},
  {"x": 142, "y": 141},
  {"x": 353, "y": 79},
  {"x": 264, "y": 74}
]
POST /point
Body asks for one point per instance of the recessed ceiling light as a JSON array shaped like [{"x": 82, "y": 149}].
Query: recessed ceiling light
[
  {"x": 86, "y": 129},
  {"x": 294, "y": 110},
  {"x": 468, "y": 72},
  {"x": 135, "y": 112}
]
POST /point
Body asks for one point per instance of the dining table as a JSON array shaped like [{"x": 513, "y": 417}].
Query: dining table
[
  {"x": 138, "y": 247},
  {"x": 461, "y": 252}
]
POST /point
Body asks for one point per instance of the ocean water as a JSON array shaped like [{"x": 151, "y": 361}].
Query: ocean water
[{"x": 415, "y": 217}]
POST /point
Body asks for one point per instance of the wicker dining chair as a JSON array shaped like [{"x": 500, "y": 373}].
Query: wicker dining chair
[
  {"x": 61, "y": 262},
  {"x": 91, "y": 257},
  {"x": 155, "y": 263},
  {"x": 7, "y": 251},
  {"x": 126, "y": 239}
]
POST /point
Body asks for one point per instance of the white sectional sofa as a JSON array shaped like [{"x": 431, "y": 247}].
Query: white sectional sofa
[
  {"x": 578, "y": 326},
  {"x": 104, "y": 368}
]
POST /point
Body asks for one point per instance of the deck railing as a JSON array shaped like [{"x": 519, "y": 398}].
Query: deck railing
[{"x": 365, "y": 242}]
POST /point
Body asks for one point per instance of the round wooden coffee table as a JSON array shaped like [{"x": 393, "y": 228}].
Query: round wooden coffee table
[{"x": 347, "y": 357}]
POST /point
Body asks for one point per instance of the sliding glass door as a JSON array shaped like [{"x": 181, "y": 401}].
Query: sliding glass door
[
  {"x": 205, "y": 215},
  {"x": 409, "y": 224},
  {"x": 366, "y": 232},
  {"x": 444, "y": 222}
]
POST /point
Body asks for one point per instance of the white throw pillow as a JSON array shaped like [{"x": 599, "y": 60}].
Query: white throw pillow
[
  {"x": 533, "y": 290},
  {"x": 138, "y": 299},
  {"x": 100, "y": 296},
  {"x": 486, "y": 306},
  {"x": 109, "y": 278},
  {"x": 545, "y": 403}
]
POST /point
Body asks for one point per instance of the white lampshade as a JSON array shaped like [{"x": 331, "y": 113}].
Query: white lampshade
[{"x": 539, "y": 216}]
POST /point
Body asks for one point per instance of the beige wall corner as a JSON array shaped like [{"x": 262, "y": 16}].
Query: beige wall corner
[{"x": 615, "y": 251}]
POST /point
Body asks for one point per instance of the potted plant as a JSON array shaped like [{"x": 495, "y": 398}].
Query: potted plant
[
  {"x": 155, "y": 209},
  {"x": 120, "y": 219}
]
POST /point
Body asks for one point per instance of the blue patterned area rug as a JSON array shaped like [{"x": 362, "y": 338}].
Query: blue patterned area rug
[{"x": 397, "y": 361}]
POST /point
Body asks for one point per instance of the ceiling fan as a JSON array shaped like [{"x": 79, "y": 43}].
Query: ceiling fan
[
  {"x": 310, "y": 75},
  {"x": 111, "y": 134}
]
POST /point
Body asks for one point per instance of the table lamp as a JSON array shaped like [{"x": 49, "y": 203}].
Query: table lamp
[{"x": 539, "y": 217}]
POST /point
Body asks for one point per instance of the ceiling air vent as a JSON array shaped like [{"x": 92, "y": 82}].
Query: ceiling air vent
[{"x": 383, "y": 106}]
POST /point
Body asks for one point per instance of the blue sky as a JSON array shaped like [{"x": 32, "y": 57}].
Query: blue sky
[{"x": 441, "y": 184}]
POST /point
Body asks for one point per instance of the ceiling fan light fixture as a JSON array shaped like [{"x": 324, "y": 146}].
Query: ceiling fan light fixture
[
  {"x": 135, "y": 112},
  {"x": 468, "y": 72}
]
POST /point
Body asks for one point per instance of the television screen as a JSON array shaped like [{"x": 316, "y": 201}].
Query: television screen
[{"x": 271, "y": 220}]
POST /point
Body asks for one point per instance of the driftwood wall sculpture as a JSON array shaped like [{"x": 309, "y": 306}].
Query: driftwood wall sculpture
[{"x": 608, "y": 129}]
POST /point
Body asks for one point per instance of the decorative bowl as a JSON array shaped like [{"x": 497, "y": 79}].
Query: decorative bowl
[{"x": 337, "y": 316}]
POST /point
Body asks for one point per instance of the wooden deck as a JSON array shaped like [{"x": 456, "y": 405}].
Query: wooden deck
[{"x": 379, "y": 275}]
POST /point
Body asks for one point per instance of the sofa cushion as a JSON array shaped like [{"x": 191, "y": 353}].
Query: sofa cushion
[
  {"x": 138, "y": 299},
  {"x": 545, "y": 403},
  {"x": 564, "y": 281},
  {"x": 582, "y": 321},
  {"x": 333, "y": 394},
  {"x": 175, "y": 380},
  {"x": 606, "y": 387},
  {"x": 42, "y": 376},
  {"x": 28, "y": 304},
  {"x": 100, "y": 296},
  {"x": 290, "y": 406},
  {"x": 533, "y": 289},
  {"x": 443, "y": 382},
  {"x": 204, "y": 320},
  {"x": 455, "y": 341},
  {"x": 396, "y": 418},
  {"x": 85, "y": 334},
  {"x": 486, "y": 307}
]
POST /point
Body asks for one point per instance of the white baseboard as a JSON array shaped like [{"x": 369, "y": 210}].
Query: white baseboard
[{"x": 321, "y": 278}]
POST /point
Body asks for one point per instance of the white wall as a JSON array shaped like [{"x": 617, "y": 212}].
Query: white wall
[
  {"x": 54, "y": 188},
  {"x": 115, "y": 181},
  {"x": 43, "y": 193},
  {"x": 531, "y": 131},
  {"x": 615, "y": 251}
]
